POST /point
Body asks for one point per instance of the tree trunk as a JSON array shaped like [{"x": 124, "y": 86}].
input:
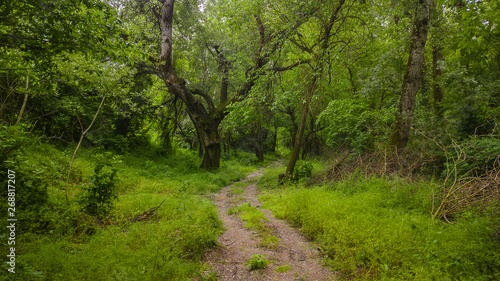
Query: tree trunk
[
  {"x": 275, "y": 137},
  {"x": 211, "y": 155},
  {"x": 437, "y": 92},
  {"x": 206, "y": 118},
  {"x": 300, "y": 132},
  {"x": 24, "y": 102},
  {"x": 324, "y": 43},
  {"x": 79, "y": 144},
  {"x": 207, "y": 127},
  {"x": 404, "y": 115},
  {"x": 259, "y": 142},
  {"x": 309, "y": 140}
]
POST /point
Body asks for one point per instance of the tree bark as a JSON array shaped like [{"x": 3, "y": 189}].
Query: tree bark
[
  {"x": 400, "y": 134},
  {"x": 259, "y": 141},
  {"x": 437, "y": 92}
]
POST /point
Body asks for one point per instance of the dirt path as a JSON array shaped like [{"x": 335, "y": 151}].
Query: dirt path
[{"x": 293, "y": 253}]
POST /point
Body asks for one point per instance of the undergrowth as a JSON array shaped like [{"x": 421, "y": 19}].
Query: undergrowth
[
  {"x": 257, "y": 262},
  {"x": 382, "y": 229},
  {"x": 58, "y": 241}
]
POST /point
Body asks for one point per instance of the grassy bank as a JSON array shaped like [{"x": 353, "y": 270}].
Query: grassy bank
[
  {"x": 55, "y": 240},
  {"x": 382, "y": 229}
]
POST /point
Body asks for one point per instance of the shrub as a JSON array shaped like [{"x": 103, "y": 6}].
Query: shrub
[
  {"x": 303, "y": 169},
  {"x": 99, "y": 193},
  {"x": 257, "y": 262},
  {"x": 350, "y": 122},
  {"x": 477, "y": 155}
]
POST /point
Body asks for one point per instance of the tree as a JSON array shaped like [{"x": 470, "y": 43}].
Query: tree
[
  {"x": 325, "y": 41},
  {"x": 413, "y": 74},
  {"x": 107, "y": 79},
  {"x": 33, "y": 33},
  {"x": 201, "y": 106}
]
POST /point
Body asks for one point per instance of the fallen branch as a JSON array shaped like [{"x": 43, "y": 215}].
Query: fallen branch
[{"x": 148, "y": 213}]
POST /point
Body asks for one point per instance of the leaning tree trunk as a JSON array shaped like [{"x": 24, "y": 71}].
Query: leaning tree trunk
[
  {"x": 300, "y": 132},
  {"x": 400, "y": 134},
  {"x": 319, "y": 61}
]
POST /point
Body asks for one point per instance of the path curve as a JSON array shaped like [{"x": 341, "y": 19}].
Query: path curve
[{"x": 238, "y": 244}]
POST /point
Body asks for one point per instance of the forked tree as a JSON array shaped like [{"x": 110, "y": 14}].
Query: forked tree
[{"x": 205, "y": 110}]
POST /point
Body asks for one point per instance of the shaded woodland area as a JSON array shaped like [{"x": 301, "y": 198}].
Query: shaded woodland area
[{"x": 380, "y": 113}]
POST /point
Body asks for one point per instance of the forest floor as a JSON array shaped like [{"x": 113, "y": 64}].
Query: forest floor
[{"x": 287, "y": 255}]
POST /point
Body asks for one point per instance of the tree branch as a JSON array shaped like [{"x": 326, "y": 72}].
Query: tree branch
[
  {"x": 207, "y": 98},
  {"x": 285, "y": 68}
]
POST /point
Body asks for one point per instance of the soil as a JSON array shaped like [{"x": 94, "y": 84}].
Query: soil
[{"x": 238, "y": 244}]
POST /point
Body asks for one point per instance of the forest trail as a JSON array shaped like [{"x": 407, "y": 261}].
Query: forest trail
[{"x": 293, "y": 253}]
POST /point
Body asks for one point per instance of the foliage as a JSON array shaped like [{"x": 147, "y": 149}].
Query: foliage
[
  {"x": 61, "y": 243},
  {"x": 61, "y": 58},
  {"x": 302, "y": 170},
  {"x": 257, "y": 262},
  {"x": 100, "y": 192},
  {"x": 42, "y": 29},
  {"x": 30, "y": 179},
  {"x": 350, "y": 123},
  {"x": 476, "y": 156}
]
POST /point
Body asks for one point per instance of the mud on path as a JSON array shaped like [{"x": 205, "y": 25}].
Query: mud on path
[{"x": 238, "y": 244}]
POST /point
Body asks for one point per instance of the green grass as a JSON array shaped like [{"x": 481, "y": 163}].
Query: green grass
[
  {"x": 269, "y": 241},
  {"x": 236, "y": 191},
  {"x": 382, "y": 229},
  {"x": 252, "y": 217},
  {"x": 62, "y": 243},
  {"x": 256, "y": 220},
  {"x": 243, "y": 184},
  {"x": 283, "y": 268}
]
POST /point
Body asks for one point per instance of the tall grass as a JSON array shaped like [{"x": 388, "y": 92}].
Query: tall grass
[{"x": 382, "y": 229}]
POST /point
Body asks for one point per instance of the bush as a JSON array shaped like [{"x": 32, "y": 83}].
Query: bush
[
  {"x": 351, "y": 122},
  {"x": 29, "y": 182},
  {"x": 303, "y": 169},
  {"x": 477, "y": 155},
  {"x": 100, "y": 192}
]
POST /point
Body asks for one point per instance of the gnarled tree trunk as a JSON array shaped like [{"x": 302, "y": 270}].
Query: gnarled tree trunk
[{"x": 206, "y": 117}]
